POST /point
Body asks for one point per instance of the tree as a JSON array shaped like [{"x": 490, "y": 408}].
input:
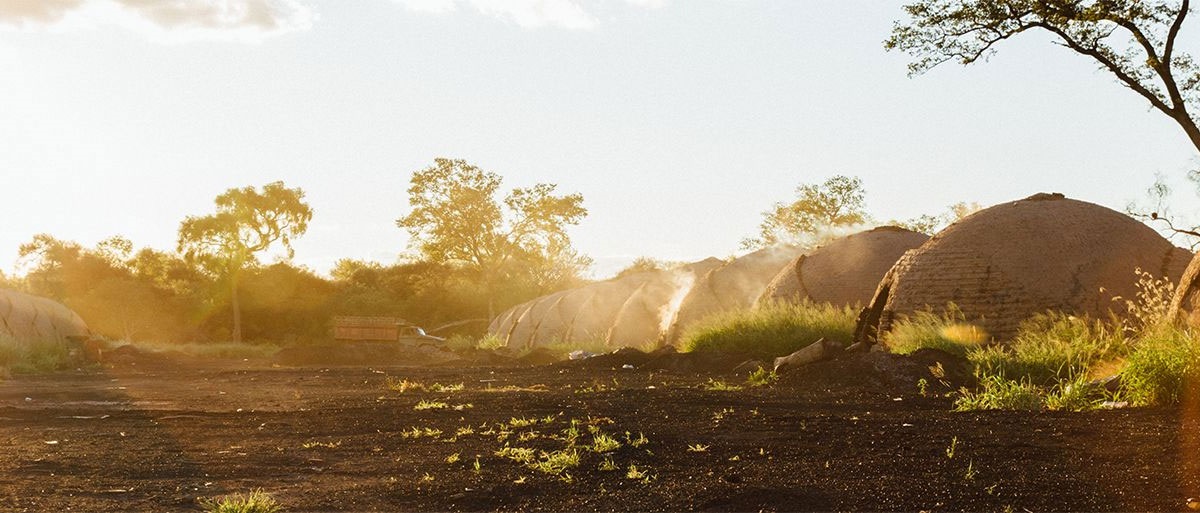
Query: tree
[
  {"x": 247, "y": 221},
  {"x": 838, "y": 202},
  {"x": 1132, "y": 40},
  {"x": 457, "y": 219},
  {"x": 930, "y": 224}
]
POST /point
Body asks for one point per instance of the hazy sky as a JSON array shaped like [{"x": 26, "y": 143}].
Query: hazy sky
[{"x": 679, "y": 121}]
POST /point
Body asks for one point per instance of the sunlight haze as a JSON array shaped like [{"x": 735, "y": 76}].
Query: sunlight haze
[{"x": 678, "y": 121}]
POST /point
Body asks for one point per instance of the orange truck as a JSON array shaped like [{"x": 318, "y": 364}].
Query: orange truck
[{"x": 352, "y": 328}]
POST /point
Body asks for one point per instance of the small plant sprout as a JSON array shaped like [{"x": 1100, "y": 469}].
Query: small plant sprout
[
  {"x": 636, "y": 442},
  {"x": 404, "y": 385},
  {"x": 431, "y": 405},
  {"x": 427, "y": 478},
  {"x": 476, "y": 467},
  {"x": 556, "y": 462},
  {"x": 325, "y": 445},
  {"x": 634, "y": 472},
  {"x": 762, "y": 377},
  {"x": 522, "y": 422},
  {"x": 549, "y": 419},
  {"x": 720, "y": 415},
  {"x": 953, "y": 447},
  {"x": 521, "y": 455},
  {"x": 519, "y": 480},
  {"x": 604, "y": 443},
  {"x": 256, "y": 502},
  {"x": 720, "y": 386},
  {"x": 608, "y": 465},
  {"x": 698, "y": 448},
  {"x": 461, "y": 407},
  {"x": 923, "y": 387},
  {"x": 970, "y": 475},
  {"x": 453, "y": 458},
  {"x": 441, "y": 389},
  {"x": 464, "y": 431}
]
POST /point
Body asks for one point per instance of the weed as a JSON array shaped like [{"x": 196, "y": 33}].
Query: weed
[
  {"x": 556, "y": 462},
  {"x": 522, "y": 422},
  {"x": 427, "y": 478},
  {"x": 998, "y": 393},
  {"x": 256, "y": 501},
  {"x": 953, "y": 447},
  {"x": 720, "y": 415},
  {"x": 634, "y": 472},
  {"x": 476, "y": 467},
  {"x": 326, "y": 445},
  {"x": 770, "y": 329},
  {"x": 720, "y": 386},
  {"x": 947, "y": 332},
  {"x": 923, "y": 386},
  {"x": 519, "y": 480},
  {"x": 441, "y": 389},
  {"x": 431, "y": 405},
  {"x": 604, "y": 443},
  {"x": 608, "y": 465},
  {"x": 636, "y": 442},
  {"x": 416, "y": 432},
  {"x": 454, "y": 458},
  {"x": 1165, "y": 363},
  {"x": 762, "y": 377},
  {"x": 970, "y": 475},
  {"x": 491, "y": 342},
  {"x": 403, "y": 385},
  {"x": 518, "y": 454},
  {"x": 697, "y": 448},
  {"x": 464, "y": 431}
]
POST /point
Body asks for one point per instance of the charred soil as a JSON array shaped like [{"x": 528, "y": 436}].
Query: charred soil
[{"x": 851, "y": 434}]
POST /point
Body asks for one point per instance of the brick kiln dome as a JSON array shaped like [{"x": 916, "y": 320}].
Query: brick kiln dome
[
  {"x": 1006, "y": 263},
  {"x": 29, "y": 318},
  {"x": 844, "y": 272}
]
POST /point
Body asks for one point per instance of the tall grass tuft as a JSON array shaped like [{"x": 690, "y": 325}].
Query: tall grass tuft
[
  {"x": 948, "y": 331},
  {"x": 771, "y": 329},
  {"x": 256, "y": 501},
  {"x": 1163, "y": 367},
  {"x": 1049, "y": 348}
]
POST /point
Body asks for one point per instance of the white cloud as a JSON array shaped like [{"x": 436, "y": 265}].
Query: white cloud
[
  {"x": 430, "y": 6},
  {"x": 567, "y": 14},
  {"x": 170, "y": 20},
  {"x": 647, "y": 4}
]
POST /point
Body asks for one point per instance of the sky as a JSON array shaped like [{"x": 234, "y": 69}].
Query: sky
[{"x": 679, "y": 121}]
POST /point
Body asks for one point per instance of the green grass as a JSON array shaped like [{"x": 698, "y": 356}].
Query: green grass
[
  {"x": 771, "y": 329},
  {"x": 34, "y": 357},
  {"x": 1050, "y": 348},
  {"x": 998, "y": 393},
  {"x": 1162, "y": 368},
  {"x": 948, "y": 332},
  {"x": 256, "y": 501}
]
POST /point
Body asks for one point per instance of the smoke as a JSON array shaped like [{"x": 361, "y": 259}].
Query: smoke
[
  {"x": 164, "y": 19},
  {"x": 682, "y": 281}
]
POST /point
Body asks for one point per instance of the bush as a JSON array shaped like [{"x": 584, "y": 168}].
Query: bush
[
  {"x": 1162, "y": 368},
  {"x": 1050, "y": 348},
  {"x": 949, "y": 332},
  {"x": 33, "y": 357},
  {"x": 771, "y": 329}
]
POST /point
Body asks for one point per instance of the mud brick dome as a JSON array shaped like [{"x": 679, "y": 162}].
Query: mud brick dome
[
  {"x": 28, "y": 318},
  {"x": 1006, "y": 263},
  {"x": 844, "y": 272}
]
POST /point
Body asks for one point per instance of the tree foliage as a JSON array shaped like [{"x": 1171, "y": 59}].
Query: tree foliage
[
  {"x": 837, "y": 203},
  {"x": 458, "y": 219},
  {"x": 930, "y": 224},
  {"x": 1132, "y": 40},
  {"x": 247, "y": 221}
]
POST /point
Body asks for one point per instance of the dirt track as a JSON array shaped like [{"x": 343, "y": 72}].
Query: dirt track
[{"x": 835, "y": 437}]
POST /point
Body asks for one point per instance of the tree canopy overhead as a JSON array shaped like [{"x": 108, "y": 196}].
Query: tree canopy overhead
[{"x": 1133, "y": 40}]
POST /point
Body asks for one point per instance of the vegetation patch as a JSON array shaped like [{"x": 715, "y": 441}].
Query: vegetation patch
[
  {"x": 771, "y": 329},
  {"x": 33, "y": 357},
  {"x": 256, "y": 501},
  {"x": 948, "y": 332}
]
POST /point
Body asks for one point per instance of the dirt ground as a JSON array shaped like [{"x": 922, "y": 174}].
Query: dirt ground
[{"x": 149, "y": 434}]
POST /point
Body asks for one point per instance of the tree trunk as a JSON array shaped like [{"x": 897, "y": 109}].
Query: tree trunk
[
  {"x": 1189, "y": 127},
  {"x": 235, "y": 303}
]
